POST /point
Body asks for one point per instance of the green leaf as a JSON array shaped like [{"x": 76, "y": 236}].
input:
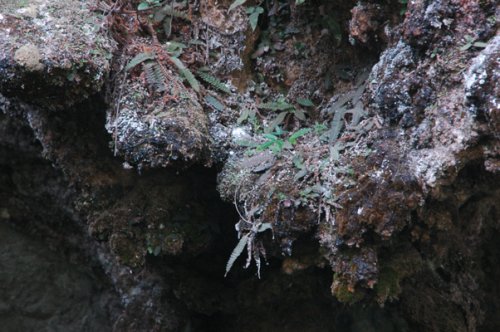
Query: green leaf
[
  {"x": 465, "y": 47},
  {"x": 139, "y": 58},
  {"x": 299, "y": 133},
  {"x": 245, "y": 143},
  {"x": 212, "y": 101},
  {"x": 271, "y": 137},
  {"x": 276, "y": 106},
  {"x": 300, "y": 174},
  {"x": 298, "y": 162},
  {"x": 279, "y": 131},
  {"x": 167, "y": 26},
  {"x": 173, "y": 46},
  {"x": 186, "y": 73},
  {"x": 143, "y": 6},
  {"x": 305, "y": 102},
  {"x": 299, "y": 114},
  {"x": 277, "y": 147},
  {"x": 244, "y": 115},
  {"x": 170, "y": 11},
  {"x": 265, "y": 145},
  {"x": 213, "y": 81},
  {"x": 480, "y": 44},
  {"x": 254, "y": 19},
  {"x": 299, "y": 2},
  {"x": 235, "y": 4},
  {"x": 277, "y": 121}
]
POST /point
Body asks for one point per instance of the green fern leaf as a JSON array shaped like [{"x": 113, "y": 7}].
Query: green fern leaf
[
  {"x": 213, "y": 81},
  {"x": 276, "y": 106},
  {"x": 139, "y": 58},
  {"x": 235, "y": 4},
  {"x": 188, "y": 75},
  {"x": 305, "y": 102},
  {"x": 212, "y": 101},
  {"x": 276, "y": 122},
  {"x": 296, "y": 135},
  {"x": 337, "y": 124},
  {"x": 236, "y": 252},
  {"x": 155, "y": 76},
  {"x": 170, "y": 11}
]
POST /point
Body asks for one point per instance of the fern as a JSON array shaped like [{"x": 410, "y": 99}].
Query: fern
[
  {"x": 212, "y": 101},
  {"x": 235, "y": 4},
  {"x": 296, "y": 135},
  {"x": 213, "y": 81},
  {"x": 337, "y": 123},
  {"x": 139, "y": 58},
  {"x": 276, "y": 122},
  {"x": 276, "y": 106},
  {"x": 237, "y": 252},
  {"x": 188, "y": 75},
  {"x": 168, "y": 10},
  {"x": 155, "y": 76}
]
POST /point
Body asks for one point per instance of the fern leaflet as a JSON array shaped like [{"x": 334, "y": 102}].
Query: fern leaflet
[
  {"x": 188, "y": 75},
  {"x": 212, "y": 101},
  {"x": 213, "y": 81},
  {"x": 337, "y": 124},
  {"x": 139, "y": 58},
  {"x": 168, "y": 10},
  {"x": 236, "y": 252},
  {"x": 276, "y": 106},
  {"x": 155, "y": 76}
]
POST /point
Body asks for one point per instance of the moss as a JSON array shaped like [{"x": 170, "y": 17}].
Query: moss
[
  {"x": 388, "y": 287},
  {"x": 344, "y": 292},
  {"x": 126, "y": 251},
  {"x": 345, "y": 295}
]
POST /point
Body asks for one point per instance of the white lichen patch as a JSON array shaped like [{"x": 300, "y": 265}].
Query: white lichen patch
[{"x": 29, "y": 57}]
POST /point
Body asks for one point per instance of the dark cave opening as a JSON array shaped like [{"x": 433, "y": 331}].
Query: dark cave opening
[{"x": 61, "y": 210}]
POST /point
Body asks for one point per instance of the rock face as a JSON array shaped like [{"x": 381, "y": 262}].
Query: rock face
[
  {"x": 359, "y": 156},
  {"x": 53, "y": 52},
  {"x": 43, "y": 291}
]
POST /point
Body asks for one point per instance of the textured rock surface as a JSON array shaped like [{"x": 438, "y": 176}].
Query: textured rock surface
[
  {"x": 380, "y": 186},
  {"x": 52, "y": 53},
  {"x": 41, "y": 290}
]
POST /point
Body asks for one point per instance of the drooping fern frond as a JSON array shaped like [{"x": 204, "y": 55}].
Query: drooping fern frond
[
  {"x": 170, "y": 11},
  {"x": 155, "y": 76},
  {"x": 188, "y": 75},
  {"x": 236, "y": 252},
  {"x": 139, "y": 58},
  {"x": 213, "y": 81}
]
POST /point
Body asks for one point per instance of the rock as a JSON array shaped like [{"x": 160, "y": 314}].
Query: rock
[
  {"x": 29, "y": 57},
  {"x": 54, "y": 53},
  {"x": 151, "y": 133}
]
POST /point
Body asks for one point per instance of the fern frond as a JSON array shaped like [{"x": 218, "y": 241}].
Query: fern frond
[
  {"x": 155, "y": 76},
  {"x": 276, "y": 106},
  {"x": 236, "y": 252},
  {"x": 213, "y": 81},
  {"x": 358, "y": 112},
  {"x": 212, "y": 101},
  {"x": 337, "y": 124},
  {"x": 188, "y": 75},
  {"x": 139, "y": 58},
  {"x": 169, "y": 10}
]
